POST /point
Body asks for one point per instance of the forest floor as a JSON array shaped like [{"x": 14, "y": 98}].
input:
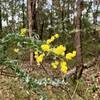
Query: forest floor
[{"x": 87, "y": 88}]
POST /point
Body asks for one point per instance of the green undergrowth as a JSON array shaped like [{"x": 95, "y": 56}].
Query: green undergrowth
[{"x": 13, "y": 89}]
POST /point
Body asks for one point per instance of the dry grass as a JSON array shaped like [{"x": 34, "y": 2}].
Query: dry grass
[{"x": 87, "y": 88}]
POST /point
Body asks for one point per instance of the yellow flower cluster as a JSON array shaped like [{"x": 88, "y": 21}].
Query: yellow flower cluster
[
  {"x": 64, "y": 67},
  {"x": 69, "y": 56},
  {"x": 16, "y": 50},
  {"x": 36, "y": 52},
  {"x": 39, "y": 58},
  {"x": 52, "y": 38},
  {"x": 55, "y": 64},
  {"x": 23, "y": 32},
  {"x": 59, "y": 50},
  {"x": 56, "y": 35},
  {"x": 45, "y": 47},
  {"x": 48, "y": 78}
]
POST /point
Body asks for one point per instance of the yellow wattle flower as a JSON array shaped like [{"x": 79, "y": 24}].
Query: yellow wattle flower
[
  {"x": 36, "y": 56},
  {"x": 55, "y": 64},
  {"x": 64, "y": 67},
  {"x": 49, "y": 41},
  {"x": 49, "y": 79},
  {"x": 36, "y": 52},
  {"x": 16, "y": 50},
  {"x": 73, "y": 54},
  {"x": 23, "y": 31},
  {"x": 39, "y": 59},
  {"x": 69, "y": 56},
  {"x": 64, "y": 70},
  {"x": 52, "y": 38},
  {"x": 59, "y": 50},
  {"x": 63, "y": 63},
  {"x": 56, "y": 35},
  {"x": 45, "y": 47}
]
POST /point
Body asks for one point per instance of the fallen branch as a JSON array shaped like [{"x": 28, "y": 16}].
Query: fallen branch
[
  {"x": 86, "y": 65},
  {"x": 71, "y": 72},
  {"x": 91, "y": 63},
  {"x": 4, "y": 73}
]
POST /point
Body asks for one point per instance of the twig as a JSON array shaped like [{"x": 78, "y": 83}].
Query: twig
[
  {"x": 67, "y": 92},
  {"x": 7, "y": 74},
  {"x": 71, "y": 72},
  {"x": 86, "y": 65},
  {"x": 47, "y": 71},
  {"x": 91, "y": 63},
  {"x": 75, "y": 90}
]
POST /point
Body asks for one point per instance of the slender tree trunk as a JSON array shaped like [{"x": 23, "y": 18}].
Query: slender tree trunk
[
  {"x": 0, "y": 18},
  {"x": 41, "y": 31},
  {"x": 79, "y": 60},
  {"x": 30, "y": 28},
  {"x": 12, "y": 16},
  {"x": 34, "y": 14},
  {"x": 51, "y": 23},
  {"x": 62, "y": 15},
  {"x": 23, "y": 10},
  {"x": 95, "y": 34},
  {"x": 95, "y": 15}
]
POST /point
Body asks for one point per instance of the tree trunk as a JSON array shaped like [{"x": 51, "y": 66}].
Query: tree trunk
[
  {"x": 30, "y": 28},
  {"x": 51, "y": 23},
  {"x": 95, "y": 33},
  {"x": 79, "y": 60},
  {"x": 34, "y": 14},
  {"x": 23, "y": 10},
  {"x": 0, "y": 18},
  {"x": 62, "y": 16},
  {"x": 41, "y": 31}
]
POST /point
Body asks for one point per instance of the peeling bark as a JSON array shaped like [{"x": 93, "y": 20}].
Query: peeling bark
[
  {"x": 30, "y": 28},
  {"x": 78, "y": 45},
  {"x": 0, "y": 18}
]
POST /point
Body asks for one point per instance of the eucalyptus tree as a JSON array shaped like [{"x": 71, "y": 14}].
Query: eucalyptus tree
[
  {"x": 78, "y": 46},
  {"x": 0, "y": 18}
]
